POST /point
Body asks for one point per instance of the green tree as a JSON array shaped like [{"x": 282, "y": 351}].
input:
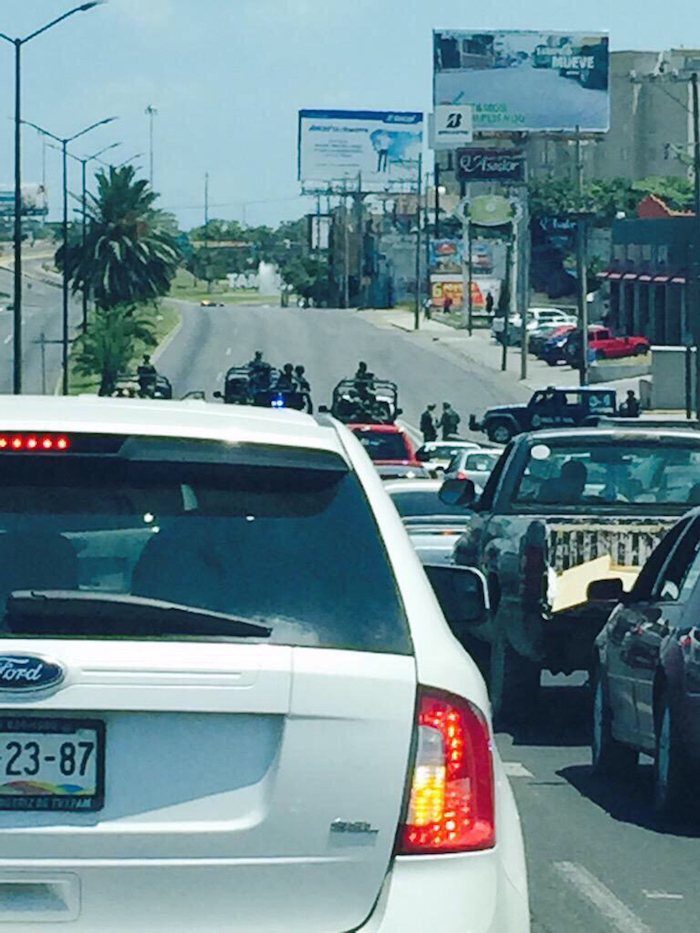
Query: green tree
[
  {"x": 110, "y": 343},
  {"x": 309, "y": 278},
  {"x": 130, "y": 257}
]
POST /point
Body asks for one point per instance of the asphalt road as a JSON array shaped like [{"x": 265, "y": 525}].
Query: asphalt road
[
  {"x": 598, "y": 861},
  {"x": 41, "y": 313},
  {"x": 329, "y": 343}
]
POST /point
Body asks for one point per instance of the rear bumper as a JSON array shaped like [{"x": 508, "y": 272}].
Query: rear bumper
[{"x": 449, "y": 894}]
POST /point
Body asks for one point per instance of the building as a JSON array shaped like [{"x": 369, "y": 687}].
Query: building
[{"x": 649, "y": 272}]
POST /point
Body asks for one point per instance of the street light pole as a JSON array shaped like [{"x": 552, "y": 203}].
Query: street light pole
[
  {"x": 65, "y": 142},
  {"x": 17, "y": 302},
  {"x": 151, "y": 111}
]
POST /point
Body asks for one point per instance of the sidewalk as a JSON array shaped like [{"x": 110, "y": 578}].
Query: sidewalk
[{"x": 481, "y": 349}]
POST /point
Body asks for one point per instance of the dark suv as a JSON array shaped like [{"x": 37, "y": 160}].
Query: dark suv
[{"x": 548, "y": 408}]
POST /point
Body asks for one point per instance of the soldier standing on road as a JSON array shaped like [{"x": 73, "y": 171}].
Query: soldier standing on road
[
  {"x": 427, "y": 425},
  {"x": 449, "y": 422}
]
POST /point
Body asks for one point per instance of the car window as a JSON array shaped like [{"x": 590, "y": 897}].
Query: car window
[
  {"x": 486, "y": 500},
  {"x": 417, "y": 504},
  {"x": 276, "y": 542},
  {"x": 382, "y": 445},
  {"x": 480, "y": 463},
  {"x": 681, "y": 570},
  {"x": 645, "y": 582},
  {"x": 641, "y": 475}
]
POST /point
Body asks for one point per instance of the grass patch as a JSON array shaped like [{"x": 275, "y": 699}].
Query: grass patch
[
  {"x": 166, "y": 319},
  {"x": 185, "y": 287}
]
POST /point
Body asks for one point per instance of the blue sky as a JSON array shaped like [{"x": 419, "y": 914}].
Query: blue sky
[{"x": 228, "y": 77}]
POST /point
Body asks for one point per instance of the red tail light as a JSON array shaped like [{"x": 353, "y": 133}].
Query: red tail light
[
  {"x": 34, "y": 442},
  {"x": 451, "y": 803}
]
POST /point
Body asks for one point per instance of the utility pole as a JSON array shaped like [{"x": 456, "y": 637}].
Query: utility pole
[
  {"x": 437, "y": 197},
  {"x": 695, "y": 256},
  {"x": 524, "y": 240},
  {"x": 151, "y": 113},
  {"x": 206, "y": 230},
  {"x": 581, "y": 271},
  {"x": 360, "y": 244},
  {"x": 416, "y": 313},
  {"x": 346, "y": 247}
]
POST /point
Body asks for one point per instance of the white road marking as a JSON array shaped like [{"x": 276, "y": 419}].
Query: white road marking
[
  {"x": 662, "y": 896},
  {"x": 7, "y": 339},
  {"x": 592, "y": 889},
  {"x": 220, "y": 376},
  {"x": 515, "y": 769},
  {"x": 228, "y": 351}
]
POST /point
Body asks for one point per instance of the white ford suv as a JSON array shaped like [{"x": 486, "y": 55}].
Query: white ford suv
[{"x": 229, "y": 701}]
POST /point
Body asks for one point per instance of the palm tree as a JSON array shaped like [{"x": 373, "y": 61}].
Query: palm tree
[
  {"x": 129, "y": 257},
  {"x": 110, "y": 343}
]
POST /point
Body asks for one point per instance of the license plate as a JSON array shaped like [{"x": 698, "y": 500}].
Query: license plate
[{"x": 51, "y": 764}]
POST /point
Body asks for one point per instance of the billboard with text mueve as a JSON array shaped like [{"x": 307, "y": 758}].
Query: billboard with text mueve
[{"x": 525, "y": 80}]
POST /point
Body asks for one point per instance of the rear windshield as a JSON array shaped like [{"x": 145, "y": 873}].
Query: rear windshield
[
  {"x": 280, "y": 545},
  {"x": 639, "y": 475},
  {"x": 421, "y": 504},
  {"x": 383, "y": 446},
  {"x": 481, "y": 463}
]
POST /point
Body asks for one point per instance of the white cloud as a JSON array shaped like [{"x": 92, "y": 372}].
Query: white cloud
[{"x": 146, "y": 13}]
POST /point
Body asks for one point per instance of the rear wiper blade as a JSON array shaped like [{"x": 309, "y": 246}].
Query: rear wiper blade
[{"x": 88, "y": 613}]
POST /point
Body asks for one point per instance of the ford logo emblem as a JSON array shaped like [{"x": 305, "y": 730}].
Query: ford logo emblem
[{"x": 20, "y": 672}]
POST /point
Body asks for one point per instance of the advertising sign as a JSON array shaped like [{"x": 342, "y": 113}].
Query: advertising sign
[
  {"x": 491, "y": 210},
  {"x": 452, "y": 126},
  {"x": 382, "y": 148},
  {"x": 524, "y": 79},
  {"x": 507, "y": 165},
  {"x": 446, "y": 256},
  {"x": 443, "y": 286},
  {"x": 34, "y": 202}
]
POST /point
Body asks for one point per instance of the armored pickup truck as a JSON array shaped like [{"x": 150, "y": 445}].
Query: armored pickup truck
[
  {"x": 548, "y": 408},
  {"x": 561, "y": 510}
]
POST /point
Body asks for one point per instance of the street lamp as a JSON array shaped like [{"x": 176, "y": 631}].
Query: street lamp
[
  {"x": 121, "y": 164},
  {"x": 18, "y": 43},
  {"x": 84, "y": 162},
  {"x": 65, "y": 141}
]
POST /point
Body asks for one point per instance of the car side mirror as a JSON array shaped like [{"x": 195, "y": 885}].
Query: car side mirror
[
  {"x": 218, "y": 395},
  {"x": 461, "y": 592},
  {"x": 458, "y": 492},
  {"x": 608, "y": 591}
]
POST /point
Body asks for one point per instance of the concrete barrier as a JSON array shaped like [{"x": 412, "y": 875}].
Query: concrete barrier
[{"x": 626, "y": 368}]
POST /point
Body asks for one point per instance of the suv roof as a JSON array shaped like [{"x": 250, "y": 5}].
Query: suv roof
[
  {"x": 191, "y": 419},
  {"x": 591, "y": 435}
]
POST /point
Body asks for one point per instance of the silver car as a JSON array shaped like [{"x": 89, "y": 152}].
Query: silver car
[
  {"x": 432, "y": 526},
  {"x": 475, "y": 465}
]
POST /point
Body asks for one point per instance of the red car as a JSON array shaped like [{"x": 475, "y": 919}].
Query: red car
[
  {"x": 386, "y": 444},
  {"x": 604, "y": 345}
]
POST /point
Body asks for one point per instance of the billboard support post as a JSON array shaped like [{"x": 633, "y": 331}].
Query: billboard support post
[
  {"x": 360, "y": 244},
  {"x": 507, "y": 303},
  {"x": 470, "y": 280},
  {"x": 437, "y": 197},
  {"x": 581, "y": 264},
  {"x": 419, "y": 191},
  {"x": 524, "y": 267},
  {"x": 346, "y": 248},
  {"x": 695, "y": 255}
]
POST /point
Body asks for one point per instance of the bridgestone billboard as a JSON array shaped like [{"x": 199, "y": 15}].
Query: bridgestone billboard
[
  {"x": 379, "y": 150},
  {"x": 525, "y": 80}
]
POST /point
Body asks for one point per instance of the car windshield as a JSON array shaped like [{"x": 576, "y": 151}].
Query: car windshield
[
  {"x": 639, "y": 475},
  {"x": 383, "y": 445},
  {"x": 277, "y": 543},
  {"x": 444, "y": 452},
  {"x": 421, "y": 503},
  {"x": 480, "y": 463}
]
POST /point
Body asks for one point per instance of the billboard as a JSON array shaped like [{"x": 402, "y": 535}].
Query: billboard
[
  {"x": 507, "y": 165},
  {"x": 34, "y": 201},
  {"x": 382, "y": 148},
  {"x": 525, "y": 80}
]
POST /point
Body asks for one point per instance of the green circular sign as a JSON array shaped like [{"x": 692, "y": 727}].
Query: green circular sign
[{"x": 491, "y": 210}]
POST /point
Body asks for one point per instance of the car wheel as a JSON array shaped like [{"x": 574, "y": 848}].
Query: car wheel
[
  {"x": 600, "y": 355},
  {"x": 514, "y": 681},
  {"x": 641, "y": 351},
  {"x": 552, "y": 362},
  {"x": 610, "y": 757},
  {"x": 499, "y": 433},
  {"x": 672, "y": 772}
]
